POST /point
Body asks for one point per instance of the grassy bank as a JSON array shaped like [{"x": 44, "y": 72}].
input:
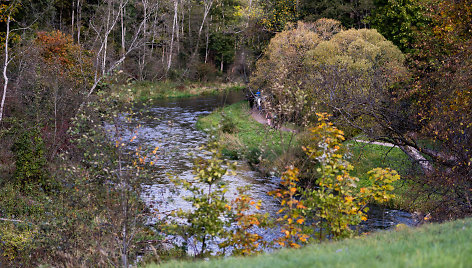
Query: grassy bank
[
  {"x": 244, "y": 137},
  {"x": 433, "y": 245},
  {"x": 148, "y": 91},
  {"x": 365, "y": 157}
]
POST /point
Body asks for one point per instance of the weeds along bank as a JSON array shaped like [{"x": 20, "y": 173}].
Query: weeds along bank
[{"x": 143, "y": 91}]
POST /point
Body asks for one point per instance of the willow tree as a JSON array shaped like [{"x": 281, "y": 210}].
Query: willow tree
[{"x": 321, "y": 68}]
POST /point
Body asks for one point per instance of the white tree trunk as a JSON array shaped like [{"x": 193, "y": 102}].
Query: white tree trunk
[
  {"x": 207, "y": 7},
  {"x": 5, "y": 67},
  {"x": 123, "y": 30},
  {"x": 174, "y": 27},
  {"x": 416, "y": 156},
  {"x": 79, "y": 17}
]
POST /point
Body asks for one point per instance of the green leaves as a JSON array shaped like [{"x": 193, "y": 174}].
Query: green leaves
[{"x": 335, "y": 202}]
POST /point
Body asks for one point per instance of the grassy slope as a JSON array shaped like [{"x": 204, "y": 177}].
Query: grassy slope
[
  {"x": 146, "y": 91},
  {"x": 365, "y": 157},
  {"x": 434, "y": 245},
  {"x": 251, "y": 134},
  {"x": 248, "y": 134}
]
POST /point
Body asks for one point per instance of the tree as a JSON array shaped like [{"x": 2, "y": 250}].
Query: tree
[
  {"x": 397, "y": 20},
  {"x": 6, "y": 12},
  {"x": 441, "y": 100},
  {"x": 318, "y": 67},
  {"x": 351, "y": 13},
  {"x": 278, "y": 13}
]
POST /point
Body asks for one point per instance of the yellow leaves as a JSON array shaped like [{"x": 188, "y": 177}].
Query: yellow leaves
[
  {"x": 300, "y": 221},
  {"x": 348, "y": 199},
  {"x": 155, "y": 150}
]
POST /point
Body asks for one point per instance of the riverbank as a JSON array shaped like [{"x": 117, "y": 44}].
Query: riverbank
[
  {"x": 431, "y": 245},
  {"x": 149, "y": 91},
  {"x": 245, "y": 137}
]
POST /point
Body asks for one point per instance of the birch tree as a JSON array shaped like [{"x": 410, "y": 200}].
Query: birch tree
[
  {"x": 6, "y": 12},
  {"x": 103, "y": 29}
]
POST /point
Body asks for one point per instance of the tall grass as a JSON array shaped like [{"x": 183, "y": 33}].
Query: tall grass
[{"x": 147, "y": 91}]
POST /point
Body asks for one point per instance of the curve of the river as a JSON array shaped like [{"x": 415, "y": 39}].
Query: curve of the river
[{"x": 170, "y": 125}]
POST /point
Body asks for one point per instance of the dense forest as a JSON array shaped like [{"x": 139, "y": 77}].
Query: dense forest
[{"x": 393, "y": 71}]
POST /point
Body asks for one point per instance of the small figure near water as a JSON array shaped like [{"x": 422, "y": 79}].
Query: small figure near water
[
  {"x": 269, "y": 118},
  {"x": 259, "y": 100}
]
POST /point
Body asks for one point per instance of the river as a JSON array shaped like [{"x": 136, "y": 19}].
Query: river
[{"x": 170, "y": 125}]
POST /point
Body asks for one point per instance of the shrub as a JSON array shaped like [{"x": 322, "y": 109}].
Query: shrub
[
  {"x": 321, "y": 68},
  {"x": 30, "y": 160}
]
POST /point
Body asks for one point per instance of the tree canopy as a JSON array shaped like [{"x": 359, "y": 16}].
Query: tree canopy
[{"x": 321, "y": 68}]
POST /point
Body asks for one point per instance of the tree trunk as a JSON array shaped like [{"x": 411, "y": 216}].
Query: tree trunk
[
  {"x": 123, "y": 30},
  {"x": 79, "y": 17},
  {"x": 5, "y": 67},
  {"x": 416, "y": 156},
  {"x": 174, "y": 27},
  {"x": 207, "y": 7}
]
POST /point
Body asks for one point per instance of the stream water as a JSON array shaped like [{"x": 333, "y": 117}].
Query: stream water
[{"x": 170, "y": 125}]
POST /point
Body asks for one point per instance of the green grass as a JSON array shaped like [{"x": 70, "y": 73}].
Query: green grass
[
  {"x": 432, "y": 245},
  {"x": 250, "y": 140},
  {"x": 242, "y": 136},
  {"x": 148, "y": 91},
  {"x": 365, "y": 157}
]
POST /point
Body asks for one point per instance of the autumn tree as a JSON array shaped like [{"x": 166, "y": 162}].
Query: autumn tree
[
  {"x": 318, "y": 67},
  {"x": 442, "y": 98}
]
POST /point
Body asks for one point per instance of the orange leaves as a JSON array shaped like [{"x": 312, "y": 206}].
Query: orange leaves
[
  {"x": 63, "y": 56},
  {"x": 292, "y": 221},
  {"x": 242, "y": 239},
  {"x": 55, "y": 44}
]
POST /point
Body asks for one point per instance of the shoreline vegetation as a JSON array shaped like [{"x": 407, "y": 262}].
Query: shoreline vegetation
[
  {"x": 431, "y": 245},
  {"x": 144, "y": 91},
  {"x": 266, "y": 149}
]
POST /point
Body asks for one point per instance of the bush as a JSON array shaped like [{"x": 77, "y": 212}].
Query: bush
[
  {"x": 321, "y": 68},
  {"x": 30, "y": 161}
]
